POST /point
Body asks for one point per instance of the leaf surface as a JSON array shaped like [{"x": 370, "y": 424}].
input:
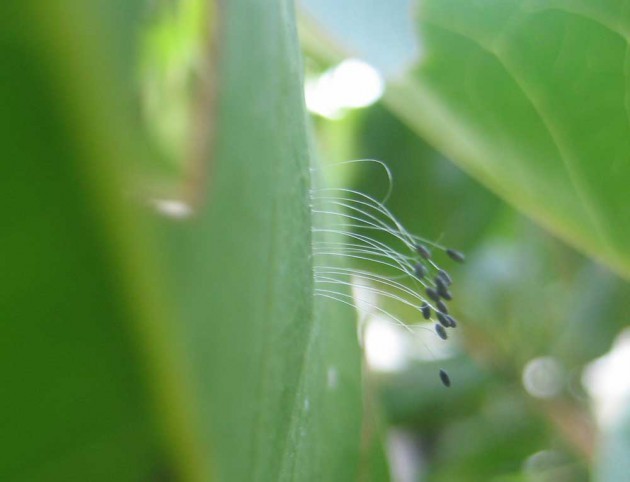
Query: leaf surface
[
  {"x": 206, "y": 357},
  {"x": 531, "y": 99},
  {"x": 277, "y": 373}
]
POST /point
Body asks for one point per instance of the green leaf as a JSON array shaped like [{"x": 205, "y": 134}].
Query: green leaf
[
  {"x": 207, "y": 357},
  {"x": 84, "y": 367},
  {"x": 531, "y": 99},
  {"x": 277, "y": 374}
]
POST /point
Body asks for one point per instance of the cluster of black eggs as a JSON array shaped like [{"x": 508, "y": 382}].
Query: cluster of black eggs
[{"x": 439, "y": 293}]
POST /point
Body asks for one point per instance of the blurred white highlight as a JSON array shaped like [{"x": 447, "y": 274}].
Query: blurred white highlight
[
  {"x": 332, "y": 378},
  {"x": 172, "y": 208},
  {"x": 365, "y": 299},
  {"x": 386, "y": 345},
  {"x": 350, "y": 85},
  {"x": 606, "y": 379},
  {"x": 542, "y": 377},
  {"x": 406, "y": 460}
]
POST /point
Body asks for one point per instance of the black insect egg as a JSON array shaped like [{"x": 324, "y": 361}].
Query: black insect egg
[
  {"x": 397, "y": 267},
  {"x": 445, "y": 277},
  {"x": 452, "y": 321},
  {"x": 426, "y": 311},
  {"x": 445, "y": 293},
  {"x": 446, "y": 380},
  {"x": 420, "y": 270},
  {"x": 441, "y": 288},
  {"x": 444, "y": 321},
  {"x": 423, "y": 251},
  {"x": 456, "y": 255},
  {"x": 431, "y": 293},
  {"x": 439, "y": 329},
  {"x": 439, "y": 282}
]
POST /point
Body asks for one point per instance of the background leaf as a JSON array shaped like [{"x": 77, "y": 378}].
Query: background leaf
[
  {"x": 530, "y": 98},
  {"x": 521, "y": 296}
]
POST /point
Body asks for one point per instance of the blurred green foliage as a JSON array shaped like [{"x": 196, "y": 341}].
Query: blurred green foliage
[
  {"x": 531, "y": 99},
  {"x": 143, "y": 346},
  {"x": 522, "y": 295},
  {"x": 78, "y": 400}
]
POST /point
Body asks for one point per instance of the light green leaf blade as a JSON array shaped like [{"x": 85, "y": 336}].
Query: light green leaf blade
[
  {"x": 263, "y": 352},
  {"x": 531, "y": 98}
]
